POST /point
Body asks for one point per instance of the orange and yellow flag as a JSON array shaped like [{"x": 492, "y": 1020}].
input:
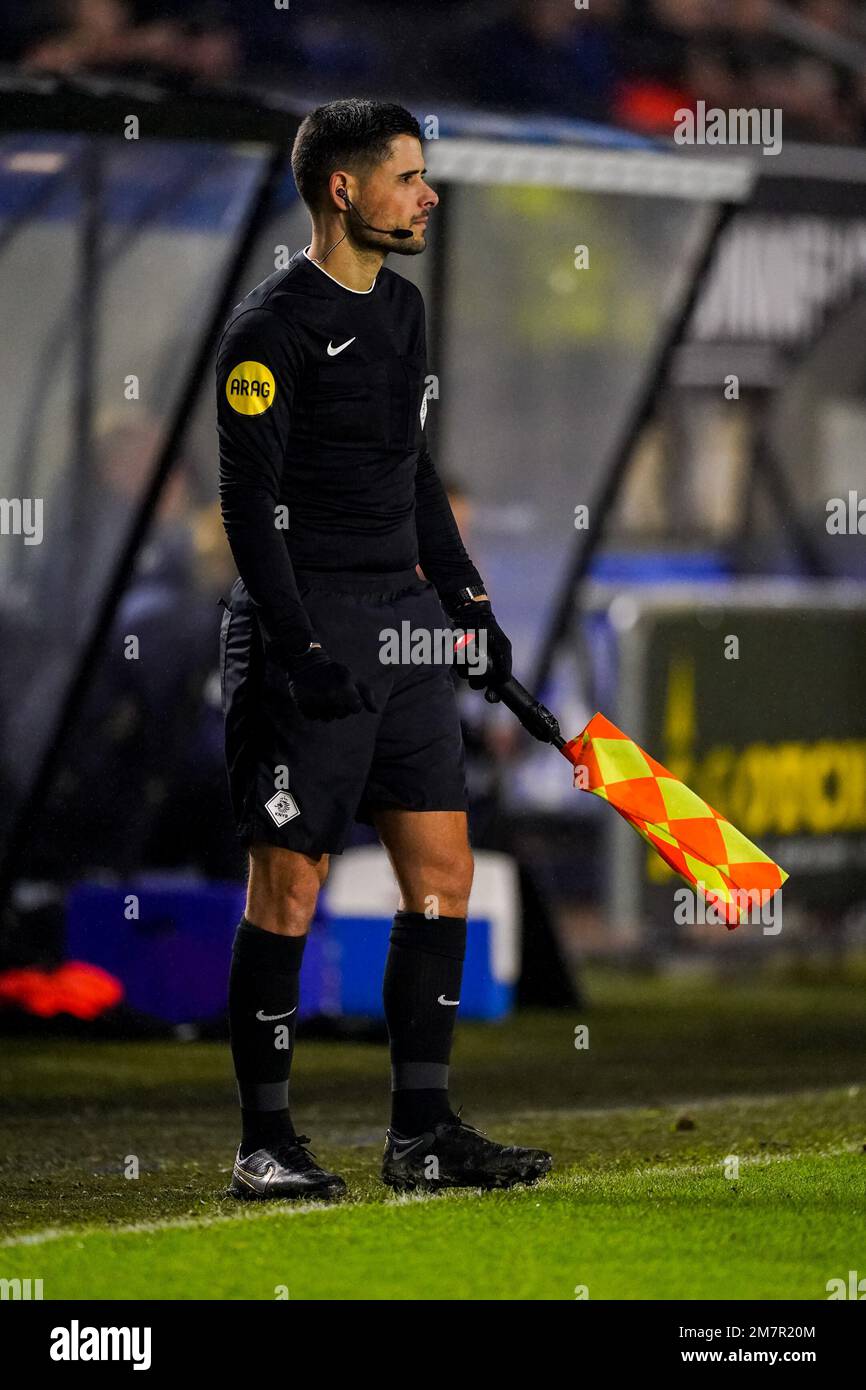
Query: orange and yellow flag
[{"x": 696, "y": 841}]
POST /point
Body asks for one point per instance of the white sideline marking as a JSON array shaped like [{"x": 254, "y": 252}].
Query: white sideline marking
[
  {"x": 850, "y": 1090},
  {"x": 181, "y": 1223},
  {"x": 747, "y": 1160},
  {"x": 403, "y": 1199}
]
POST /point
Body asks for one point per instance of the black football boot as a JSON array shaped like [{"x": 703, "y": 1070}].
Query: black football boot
[
  {"x": 287, "y": 1170},
  {"x": 454, "y": 1154}
]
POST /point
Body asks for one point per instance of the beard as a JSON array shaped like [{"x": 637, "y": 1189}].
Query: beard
[
  {"x": 362, "y": 238},
  {"x": 406, "y": 247}
]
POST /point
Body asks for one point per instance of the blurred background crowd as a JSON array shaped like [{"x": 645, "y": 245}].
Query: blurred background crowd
[{"x": 632, "y": 62}]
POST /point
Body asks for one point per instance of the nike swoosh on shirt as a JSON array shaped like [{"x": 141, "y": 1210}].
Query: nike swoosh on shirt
[
  {"x": 269, "y": 1018},
  {"x": 332, "y": 351},
  {"x": 443, "y": 1000}
]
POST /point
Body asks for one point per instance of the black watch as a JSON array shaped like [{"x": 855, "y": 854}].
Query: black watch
[{"x": 467, "y": 595}]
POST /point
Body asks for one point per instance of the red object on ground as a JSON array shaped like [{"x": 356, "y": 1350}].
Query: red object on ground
[{"x": 76, "y": 988}]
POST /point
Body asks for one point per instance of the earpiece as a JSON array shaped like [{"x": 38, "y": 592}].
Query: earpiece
[{"x": 388, "y": 231}]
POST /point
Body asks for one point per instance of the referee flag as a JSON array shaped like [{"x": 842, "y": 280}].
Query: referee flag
[{"x": 693, "y": 839}]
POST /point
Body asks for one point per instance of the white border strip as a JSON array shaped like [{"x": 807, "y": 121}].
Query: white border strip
[{"x": 645, "y": 172}]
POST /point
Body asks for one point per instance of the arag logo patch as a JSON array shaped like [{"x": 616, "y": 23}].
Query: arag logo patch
[{"x": 251, "y": 388}]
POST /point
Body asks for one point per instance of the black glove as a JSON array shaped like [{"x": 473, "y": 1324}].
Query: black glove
[
  {"x": 321, "y": 687},
  {"x": 475, "y": 617}
]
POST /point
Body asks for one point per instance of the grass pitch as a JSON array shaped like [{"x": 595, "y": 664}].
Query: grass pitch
[{"x": 645, "y": 1201}]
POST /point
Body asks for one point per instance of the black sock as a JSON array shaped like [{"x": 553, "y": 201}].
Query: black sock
[
  {"x": 424, "y": 967},
  {"x": 263, "y": 980}
]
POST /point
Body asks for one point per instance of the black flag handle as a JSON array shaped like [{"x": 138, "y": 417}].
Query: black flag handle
[{"x": 533, "y": 715}]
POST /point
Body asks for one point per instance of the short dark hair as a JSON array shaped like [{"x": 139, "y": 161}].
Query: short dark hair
[{"x": 353, "y": 134}]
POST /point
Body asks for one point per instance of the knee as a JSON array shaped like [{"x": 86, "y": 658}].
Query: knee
[
  {"x": 296, "y": 905},
  {"x": 447, "y": 884},
  {"x": 282, "y": 892}
]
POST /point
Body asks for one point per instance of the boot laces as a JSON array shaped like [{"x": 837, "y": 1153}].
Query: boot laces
[{"x": 300, "y": 1141}]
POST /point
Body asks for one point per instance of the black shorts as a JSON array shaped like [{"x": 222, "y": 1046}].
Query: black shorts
[{"x": 301, "y": 782}]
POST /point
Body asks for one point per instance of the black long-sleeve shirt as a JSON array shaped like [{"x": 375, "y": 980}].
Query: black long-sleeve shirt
[{"x": 323, "y": 460}]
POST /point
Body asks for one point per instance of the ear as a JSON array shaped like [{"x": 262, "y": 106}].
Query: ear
[{"x": 338, "y": 193}]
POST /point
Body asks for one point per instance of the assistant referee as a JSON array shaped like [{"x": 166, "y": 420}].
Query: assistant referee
[{"x": 330, "y": 500}]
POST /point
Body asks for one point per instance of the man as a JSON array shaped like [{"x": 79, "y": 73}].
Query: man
[{"x": 330, "y": 500}]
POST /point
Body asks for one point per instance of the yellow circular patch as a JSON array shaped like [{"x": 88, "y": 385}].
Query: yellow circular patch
[{"x": 251, "y": 388}]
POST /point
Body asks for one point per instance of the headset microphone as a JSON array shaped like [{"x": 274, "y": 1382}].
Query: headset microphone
[{"x": 388, "y": 231}]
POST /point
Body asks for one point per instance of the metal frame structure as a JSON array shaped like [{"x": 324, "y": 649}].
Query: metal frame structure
[{"x": 98, "y": 115}]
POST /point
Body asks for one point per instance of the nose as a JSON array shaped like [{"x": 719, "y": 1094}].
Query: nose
[{"x": 430, "y": 198}]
